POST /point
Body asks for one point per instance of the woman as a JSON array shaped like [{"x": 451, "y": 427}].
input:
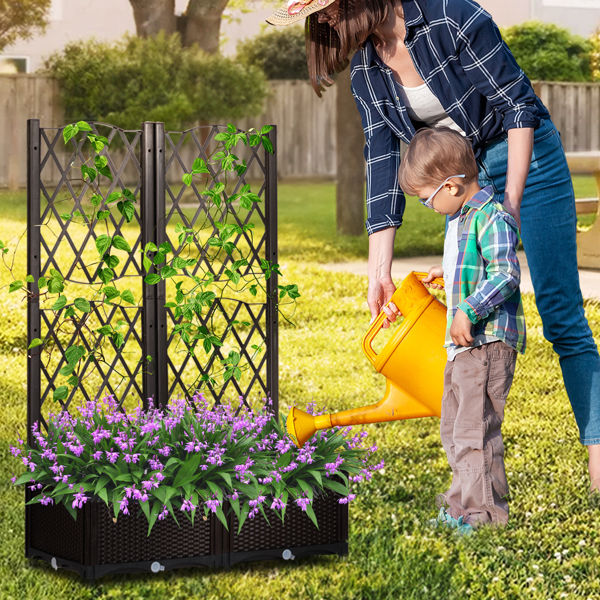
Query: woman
[{"x": 421, "y": 63}]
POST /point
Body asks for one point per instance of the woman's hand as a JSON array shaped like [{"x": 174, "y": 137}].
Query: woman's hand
[
  {"x": 380, "y": 291},
  {"x": 434, "y": 272},
  {"x": 520, "y": 148}
]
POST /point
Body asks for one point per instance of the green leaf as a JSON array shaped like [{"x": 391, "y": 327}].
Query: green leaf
[
  {"x": 103, "y": 495},
  {"x": 317, "y": 476},
  {"x": 166, "y": 248},
  {"x": 158, "y": 258},
  {"x": 55, "y": 286},
  {"x": 102, "y": 214},
  {"x": 111, "y": 261},
  {"x": 73, "y": 380},
  {"x": 113, "y": 197},
  {"x": 166, "y": 272},
  {"x": 120, "y": 243},
  {"x": 14, "y": 286},
  {"x": 110, "y": 292},
  {"x": 187, "y": 471},
  {"x": 103, "y": 243},
  {"x": 74, "y": 353},
  {"x": 101, "y": 163},
  {"x": 83, "y": 126},
  {"x": 70, "y": 312},
  {"x": 311, "y": 513},
  {"x": 306, "y": 488},
  {"x": 70, "y": 131},
  {"x": 106, "y": 275},
  {"x": 42, "y": 282},
  {"x": 88, "y": 172},
  {"x": 60, "y": 303},
  {"x": 266, "y": 129},
  {"x": 187, "y": 179},
  {"x": 156, "y": 508},
  {"x": 336, "y": 486},
  {"x": 68, "y": 369},
  {"x": 150, "y": 247},
  {"x": 127, "y": 295},
  {"x": 82, "y": 304},
  {"x": 65, "y": 216},
  {"x": 152, "y": 278},
  {"x": 126, "y": 209},
  {"x": 96, "y": 200},
  {"x": 60, "y": 393},
  {"x": 101, "y": 483},
  {"x": 35, "y": 343}
]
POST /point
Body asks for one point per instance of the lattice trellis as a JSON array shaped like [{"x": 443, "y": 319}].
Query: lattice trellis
[{"x": 150, "y": 162}]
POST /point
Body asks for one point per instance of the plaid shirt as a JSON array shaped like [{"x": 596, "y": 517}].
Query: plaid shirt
[
  {"x": 487, "y": 276},
  {"x": 459, "y": 53}
]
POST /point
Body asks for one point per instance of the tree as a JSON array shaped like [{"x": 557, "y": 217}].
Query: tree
[
  {"x": 280, "y": 52},
  {"x": 595, "y": 55},
  {"x": 200, "y": 24},
  {"x": 20, "y": 18},
  {"x": 153, "y": 79},
  {"x": 547, "y": 52}
]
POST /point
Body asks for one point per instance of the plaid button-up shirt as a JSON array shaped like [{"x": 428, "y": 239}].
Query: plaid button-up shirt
[
  {"x": 458, "y": 52},
  {"x": 487, "y": 276}
]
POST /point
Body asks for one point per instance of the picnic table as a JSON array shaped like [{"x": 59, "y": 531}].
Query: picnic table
[{"x": 588, "y": 242}]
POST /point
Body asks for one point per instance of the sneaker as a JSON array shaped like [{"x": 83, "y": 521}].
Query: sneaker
[
  {"x": 463, "y": 529},
  {"x": 443, "y": 519}
]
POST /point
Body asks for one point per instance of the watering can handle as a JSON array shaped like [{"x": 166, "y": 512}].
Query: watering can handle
[{"x": 376, "y": 324}]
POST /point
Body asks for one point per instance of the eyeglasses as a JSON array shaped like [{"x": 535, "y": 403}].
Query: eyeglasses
[{"x": 429, "y": 202}]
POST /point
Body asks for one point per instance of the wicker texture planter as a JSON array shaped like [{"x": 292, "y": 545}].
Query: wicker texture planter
[{"x": 96, "y": 545}]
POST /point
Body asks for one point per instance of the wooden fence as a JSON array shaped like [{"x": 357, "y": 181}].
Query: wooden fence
[{"x": 306, "y": 133}]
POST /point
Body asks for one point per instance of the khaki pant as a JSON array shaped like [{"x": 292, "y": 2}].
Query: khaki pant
[{"x": 476, "y": 385}]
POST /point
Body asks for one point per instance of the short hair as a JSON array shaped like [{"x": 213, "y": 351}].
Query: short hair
[{"x": 433, "y": 155}]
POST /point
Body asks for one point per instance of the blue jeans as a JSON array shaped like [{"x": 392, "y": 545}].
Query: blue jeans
[{"x": 548, "y": 231}]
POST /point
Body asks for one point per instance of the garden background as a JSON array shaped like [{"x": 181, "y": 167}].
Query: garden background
[{"x": 549, "y": 549}]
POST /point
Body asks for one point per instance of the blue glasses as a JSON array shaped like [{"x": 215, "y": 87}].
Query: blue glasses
[{"x": 429, "y": 202}]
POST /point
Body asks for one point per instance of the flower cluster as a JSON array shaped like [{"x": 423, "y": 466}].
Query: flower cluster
[{"x": 188, "y": 456}]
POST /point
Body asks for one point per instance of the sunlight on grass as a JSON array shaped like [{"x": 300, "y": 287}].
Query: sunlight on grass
[{"x": 548, "y": 549}]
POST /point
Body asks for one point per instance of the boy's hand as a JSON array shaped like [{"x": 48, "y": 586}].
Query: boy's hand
[
  {"x": 460, "y": 330},
  {"x": 434, "y": 272}
]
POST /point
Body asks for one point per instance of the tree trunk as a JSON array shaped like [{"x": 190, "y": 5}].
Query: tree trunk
[
  {"x": 152, "y": 16},
  {"x": 203, "y": 24},
  {"x": 350, "y": 138}
]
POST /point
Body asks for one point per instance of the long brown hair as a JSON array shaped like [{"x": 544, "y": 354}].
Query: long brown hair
[{"x": 327, "y": 50}]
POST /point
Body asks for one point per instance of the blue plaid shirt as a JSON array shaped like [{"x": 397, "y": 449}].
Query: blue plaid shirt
[{"x": 459, "y": 53}]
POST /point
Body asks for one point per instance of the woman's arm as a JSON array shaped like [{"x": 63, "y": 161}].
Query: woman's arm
[
  {"x": 520, "y": 147},
  {"x": 379, "y": 270}
]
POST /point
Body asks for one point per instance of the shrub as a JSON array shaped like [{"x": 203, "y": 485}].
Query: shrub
[
  {"x": 595, "y": 55},
  {"x": 153, "y": 79},
  {"x": 279, "y": 52},
  {"x": 547, "y": 52}
]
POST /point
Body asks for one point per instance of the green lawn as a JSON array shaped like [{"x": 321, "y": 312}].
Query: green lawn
[{"x": 549, "y": 549}]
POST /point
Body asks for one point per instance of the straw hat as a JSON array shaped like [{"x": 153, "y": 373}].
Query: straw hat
[{"x": 282, "y": 17}]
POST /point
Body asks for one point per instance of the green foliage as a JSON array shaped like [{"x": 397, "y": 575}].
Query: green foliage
[
  {"x": 279, "y": 52},
  {"x": 595, "y": 55},
  {"x": 547, "y": 52},
  {"x": 19, "y": 19},
  {"x": 153, "y": 79}
]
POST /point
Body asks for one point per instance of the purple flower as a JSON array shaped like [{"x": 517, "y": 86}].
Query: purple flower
[
  {"x": 349, "y": 498},
  {"x": 123, "y": 504},
  {"x": 278, "y": 504},
  {"x": 213, "y": 504},
  {"x": 80, "y": 499},
  {"x": 164, "y": 512},
  {"x": 187, "y": 505},
  {"x": 97, "y": 455},
  {"x": 112, "y": 456},
  {"x": 303, "y": 503},
  {"x": 165, "y": 451},
  {"x": 46, "y": 500}
]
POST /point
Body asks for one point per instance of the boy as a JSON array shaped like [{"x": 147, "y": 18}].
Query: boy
[{"x": 486, "y": 325}]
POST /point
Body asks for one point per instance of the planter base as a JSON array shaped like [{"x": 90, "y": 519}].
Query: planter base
[{"x": 95, "y": 545}]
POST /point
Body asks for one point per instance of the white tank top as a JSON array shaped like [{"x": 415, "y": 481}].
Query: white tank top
[{"x": 422, "y": 105}]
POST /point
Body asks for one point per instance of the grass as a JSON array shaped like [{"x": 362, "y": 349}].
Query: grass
[{"x": 392, "y": 554}]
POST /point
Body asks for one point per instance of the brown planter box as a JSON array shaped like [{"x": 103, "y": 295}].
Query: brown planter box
[{"x": 94, "y": 545}]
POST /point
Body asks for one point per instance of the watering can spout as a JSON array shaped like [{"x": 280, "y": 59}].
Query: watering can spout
[{"x": 412, "y": 361}]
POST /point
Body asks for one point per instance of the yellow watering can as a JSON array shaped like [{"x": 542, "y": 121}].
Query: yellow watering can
[{"x": 412, "y": 362}]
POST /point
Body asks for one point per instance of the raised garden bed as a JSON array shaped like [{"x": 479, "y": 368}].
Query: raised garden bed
[{"x": 95, "y": 545}]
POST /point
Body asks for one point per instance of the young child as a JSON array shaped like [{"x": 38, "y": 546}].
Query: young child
[{"x": 486, "y": 325}]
